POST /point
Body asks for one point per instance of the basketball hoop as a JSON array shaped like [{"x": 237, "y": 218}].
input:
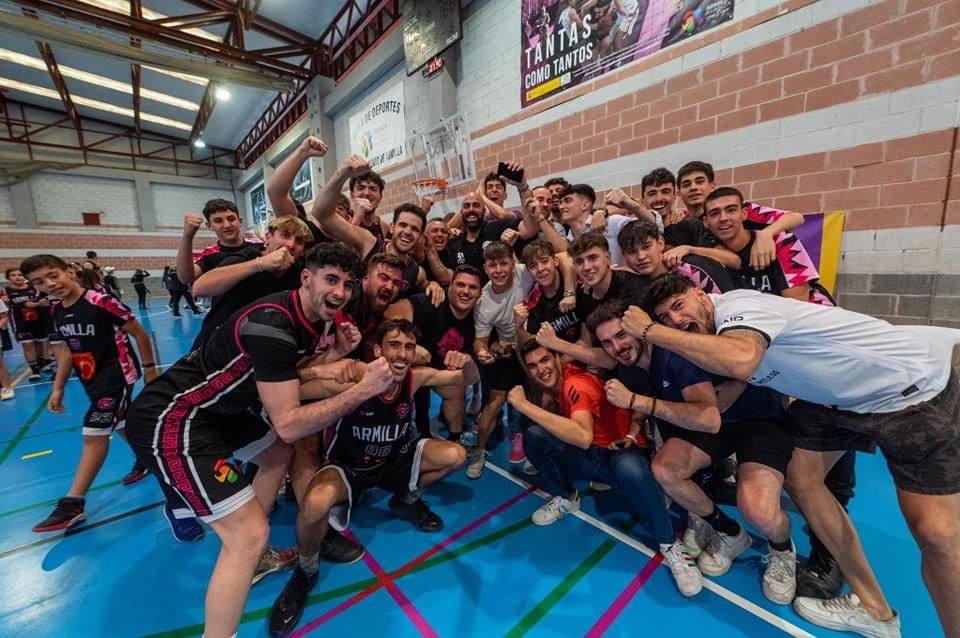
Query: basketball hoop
[{"x": 429, "y": 187}]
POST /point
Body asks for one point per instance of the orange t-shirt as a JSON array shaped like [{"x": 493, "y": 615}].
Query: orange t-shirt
[{"x": 584, "y": 391}]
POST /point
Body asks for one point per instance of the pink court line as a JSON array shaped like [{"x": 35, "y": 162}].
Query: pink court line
[
  {"x": 361, "y": 595},
  {"x": 620, "y": 602},
  {"x": 398, "y": 596}
]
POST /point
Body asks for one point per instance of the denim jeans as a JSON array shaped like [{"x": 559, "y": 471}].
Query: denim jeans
[{"x": 627, "y": 471}]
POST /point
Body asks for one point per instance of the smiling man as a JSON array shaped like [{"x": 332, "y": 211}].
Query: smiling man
[{"x": 223, "y": 218}]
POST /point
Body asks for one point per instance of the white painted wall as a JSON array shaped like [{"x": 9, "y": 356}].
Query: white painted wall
[
  {"x": 6, "y": 205},
  {"x": 171, "y": 201},
  {"x": 61, "y": 197}
]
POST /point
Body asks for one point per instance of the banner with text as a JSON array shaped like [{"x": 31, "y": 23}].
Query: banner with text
[
  {"x": 378, "y": 132},
  {"x": 567, "y": 42}
]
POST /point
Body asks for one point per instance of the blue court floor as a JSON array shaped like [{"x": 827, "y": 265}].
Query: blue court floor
[{"x": 489, "y": 572}]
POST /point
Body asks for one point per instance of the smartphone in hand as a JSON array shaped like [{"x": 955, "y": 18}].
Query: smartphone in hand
[{"x": 511, "y": 176}]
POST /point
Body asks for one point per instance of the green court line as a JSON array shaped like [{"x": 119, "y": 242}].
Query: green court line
[
  {"x": 23, "y": 431},
  {"x": 344, "y": 590},
  {"x": 54, "y": 500},
  {"x": 542, "y": 608},
  {"x": 72, "y": 428}
]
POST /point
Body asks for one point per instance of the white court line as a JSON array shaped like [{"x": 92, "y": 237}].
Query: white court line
[
  {"x": 716, "y": 588},
  {"x": 72, "y": 377}
]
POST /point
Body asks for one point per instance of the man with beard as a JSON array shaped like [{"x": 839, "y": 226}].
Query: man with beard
[
  {"x": 478, "y": 233},
  {"x": 223, "y": 219},
  {"x": 372, "y": 447},
  {"x": 555, "y": 185},
  {"x": 408, "y": 223},
  {"x": 233, "y": 398},
  {"x": 447, "y": 334}
]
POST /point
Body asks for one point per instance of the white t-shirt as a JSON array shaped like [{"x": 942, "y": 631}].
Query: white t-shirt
[
  {"x": 495, "y": 309},
  {"x": 839, "y": 358},
  {"x": 3, "y": 308}
]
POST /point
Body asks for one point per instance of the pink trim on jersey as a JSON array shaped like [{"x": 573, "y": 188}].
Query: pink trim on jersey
[
  {"x": 300, "y": 315},
  {"x": 215, "y": 248},
  {"x": 128, "y": 363},
  {"x": 762, "y": 214},
  {"x": 798, "y": 268}
]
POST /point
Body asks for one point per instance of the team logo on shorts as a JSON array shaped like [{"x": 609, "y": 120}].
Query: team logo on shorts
[
  {"x": 403, "y": 410},
  {"x": 85, "y": 365},
  {"x": 224, "y": 472},
  {"x": 106, "y": 403}
]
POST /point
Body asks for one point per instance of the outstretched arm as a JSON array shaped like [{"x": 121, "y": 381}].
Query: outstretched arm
[{"x": 278, "y": 188}]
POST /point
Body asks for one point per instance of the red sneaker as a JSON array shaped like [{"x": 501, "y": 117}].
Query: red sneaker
[{"x": 517, "y": 456}]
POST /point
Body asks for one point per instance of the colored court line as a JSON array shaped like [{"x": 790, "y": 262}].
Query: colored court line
[
  {"x": 33, "y": 455},
  {"x": 54, "y": 500},
  {"x": 408, "y": 608},
  {"x": 72, "y": 428},
  {"x": 345, "y": 590},
  {"x": 317, "y": 622},
  {"x": 730, "y": 596},
  {"x": 23, "y": 430},
  {"x": 23, "y": 375},
  {"x": 620, "y": 602},
  {"x": 77, "y": 530}
]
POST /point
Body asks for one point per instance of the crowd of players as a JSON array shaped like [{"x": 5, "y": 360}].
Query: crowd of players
[{"x": 675, "y": 347}]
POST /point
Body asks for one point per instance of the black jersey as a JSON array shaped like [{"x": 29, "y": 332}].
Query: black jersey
[
  {"x": 358, "y": 312},
  {"x": 409, "y": 277},
  {"x": 20, "y": 314},
  {"x": 367, "y": 438},
  {"x": 441, "y": 331},
  {"x": 375, "y": 228},
  {"x": 103, "y": 356},
  {"x": 254, "y": 287},
  {"x": 467, "y": 252},
  {"x": 542, "y": 309},
  {"x": 706, "y": 274},
  {"x": 212, "y": 256},
  {"x": 624, "y": 285},
  {"x": 263, "y": 341}
]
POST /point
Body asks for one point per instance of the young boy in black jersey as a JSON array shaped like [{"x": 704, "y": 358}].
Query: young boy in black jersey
[
  {"x": 374, "y": 445},
  {"x": 27, "y": 307},
  {"x": 96, "y": 327}
]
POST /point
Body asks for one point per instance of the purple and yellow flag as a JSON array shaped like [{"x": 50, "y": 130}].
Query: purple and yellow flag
[{"x": 821, "y": 234}]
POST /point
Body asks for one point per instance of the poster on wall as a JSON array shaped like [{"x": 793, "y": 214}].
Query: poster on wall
[
  {"x": 302, "y": 190},
  {"x": 258, "y": 207},
  {"x": 379, "y": 131},
  {"x": 568, "y": 42}
]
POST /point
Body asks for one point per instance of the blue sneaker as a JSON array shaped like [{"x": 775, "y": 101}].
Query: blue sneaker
[
  {"x": 185, "y": 530},
  {"x": 468, "y": 439}
]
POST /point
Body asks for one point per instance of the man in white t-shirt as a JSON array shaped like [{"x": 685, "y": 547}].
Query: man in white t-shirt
[
  {"x": 509, "y": 285},
  {"x": 860, "y": 383}
]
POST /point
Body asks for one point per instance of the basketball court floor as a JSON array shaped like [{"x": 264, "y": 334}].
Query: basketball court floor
[{"x": 489, "y": 572}]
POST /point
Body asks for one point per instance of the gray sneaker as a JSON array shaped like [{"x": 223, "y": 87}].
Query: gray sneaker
[
  {"x": 844, "y": 613},
  {"x": 475, "y": 463},
  {"x": 780, "y": 576},
  {"x": 721, "y": 551}
]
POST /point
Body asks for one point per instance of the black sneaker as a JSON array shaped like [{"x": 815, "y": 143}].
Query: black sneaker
[
  {"x": 137, "y": 473},
  {"x": 337, "y": 548},
  {"x": 288, "y": 607},
  {"x": 417, "y": 513},
  {"x": 820, "y": 577},
  {"x": 69, "y": 510}
]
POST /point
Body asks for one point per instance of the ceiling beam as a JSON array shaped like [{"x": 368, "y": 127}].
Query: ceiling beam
[
  {"x": 223, "y": 62},
  {"x": 260, "y": 23},
  {"x": 58, "y": 82},
  {"x": 136, "y": 10}
]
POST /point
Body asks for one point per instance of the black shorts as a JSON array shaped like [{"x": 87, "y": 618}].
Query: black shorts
[
  {"x": 398, "y": 474},
  {"x": 502, "y": 375},
  {"x": 192, "y": 452},
  {"x": 921, "y": 443},
  {"x": 767, "y": 441},
  {"x": 31, "y": 331},
  {"x": 107, "y": 412}
]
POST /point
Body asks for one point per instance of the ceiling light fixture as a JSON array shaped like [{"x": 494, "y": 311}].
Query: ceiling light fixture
[
  {"x": 199, "y": 143},
  {"x": 222, "y": 94}
]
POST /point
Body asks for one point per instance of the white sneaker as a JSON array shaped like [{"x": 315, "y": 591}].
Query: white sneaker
[
  {"x": 720, "y": 552},
  {"x": 475, "y": 463},
  {"x": 554, "y": 509},
  {"x": 6, "y": 394},
  {"x": 697, "y": 534},
  {"x": 685, "y": 572},
  {"x": 529, "y": 469},
  {"x": 597, "y": 486},
  {"x": 844, "y": 613},
  {"x": 780, "y": 576}
]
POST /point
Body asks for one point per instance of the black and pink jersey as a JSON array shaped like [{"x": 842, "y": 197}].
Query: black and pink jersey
[
  {"x": 210, "y": 257},
  {"x": 263, "y": 341},
  {"x": 793, "y": 267},
  {"x": 375, "y": 431},
  {"x": 103, "y": 356},
  {"x": 20, "y": 314}
]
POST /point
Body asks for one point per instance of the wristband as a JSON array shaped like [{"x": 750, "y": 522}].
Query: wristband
[
  {"x": 632, "y": 438},
  {"x": 633, "y": 397},
  {"x": 642, "y": 337},
  {"x": 259, "y": 267},
  {"x": 148, "y": 365},
  {"x": 569, "y": 293},
  {"x": 653, "y": 408}
]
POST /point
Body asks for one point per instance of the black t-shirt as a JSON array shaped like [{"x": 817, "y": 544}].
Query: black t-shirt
[
  {"x": 706, "y": 274},
  {"x": 624, "y": 285},
  {"x": 357, "y": 312},
  {"x": 770, "y": 280},
  {"x": 689, "y": 231},
  {"x": 471, "y": 253},
  {"x": 542, "y": 309},
  {"x": 247, "y": 291},
  {"x": 138, "y": 277},
  {"x": 17, "y": 300},
  {"x": 319, "y": 237},
  {"x": 103, "y": 356},
  {"x": 440, "y": 329},
  {"x": 211, "y": 257},
  {"x": 370, "y": 437},
  {"x": 263, "y": 341}
]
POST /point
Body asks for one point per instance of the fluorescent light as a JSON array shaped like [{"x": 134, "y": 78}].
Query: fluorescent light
[
  {"x": 186, "y": 77},
  {"x": 94, "y": 104},
  {"x": 123, "y": 6},
  {"x": 99, "y": 80},
  {"x": 222, "y": 94},
  {"x": 199, "y": 143}
]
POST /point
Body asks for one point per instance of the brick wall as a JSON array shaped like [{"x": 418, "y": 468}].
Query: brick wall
[
  {"x": 171, "y": 201},
  {"x": 59, "y": 198}
]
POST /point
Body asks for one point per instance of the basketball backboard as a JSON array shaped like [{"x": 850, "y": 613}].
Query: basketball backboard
[{"x": 444, "y": 151}]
